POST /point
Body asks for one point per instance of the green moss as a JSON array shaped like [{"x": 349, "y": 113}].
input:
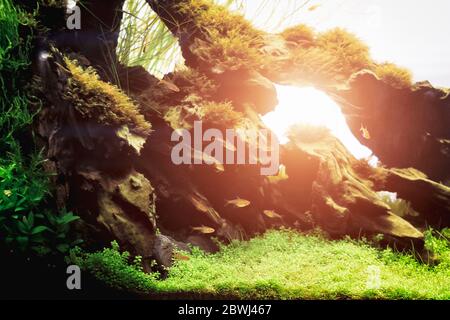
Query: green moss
[
  {"x": 220, "y": 115},
  {"x": 231, "y": 52},
  {"x": 315, "y": 65},
  {"x": 328, "y": 58},
  {"x": 102, "y": 102},
  {"x": 285, "y": 265},
  {"x": 394, "y": 75},
  {"x": 226, "y": 40},
  {"x": 207, "y": 15},
  {"x": 212, "y": 114},
  {"x": 300, "y": 34},
  {"x": 190, "y": 80},
  {"x": 334, "y": 55},
  {"x": 351, "y": 54}
]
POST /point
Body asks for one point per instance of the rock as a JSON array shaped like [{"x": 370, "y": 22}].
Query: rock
[
  {"x": 203, "y": 242},
  {"x": 128, "y": 214},
  {"x": 164, "y": 248},
  {"x": 247, "y": 87},
  {"x": 408, "y": 127},
  {"x": 343, "y": 201},
  {"x": 429, "y": 198},
  {"x": 95, "y": 164}
]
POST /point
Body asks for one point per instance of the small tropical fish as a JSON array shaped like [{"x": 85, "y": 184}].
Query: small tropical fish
[
  {"x": 170, "y": 85},
  {"x": 365, "y": 133},
  {"x": 7, "y": 193},
  {"x": 204, "y": 229},
  {"x": 271, "y": 214},
  {"x": 238, "y": 202},
  {"x": 314, "y": 7},
  {"x": 179, "y": 256},
  {"x": 199, "y": 204}
]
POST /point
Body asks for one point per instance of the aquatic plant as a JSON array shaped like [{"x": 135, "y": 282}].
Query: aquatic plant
[
  {"x": 314, "y": 65},
  {"x": 212, "y": 114},
  {"x": 228, "y": 40},
  {"x": 26, "y": 221},
  {"x": 393, "y": 75},
  {"x": 351, "y": 54},
  {"x": 282, "y": 264},
  {"x": 301, "y": 34},
  {"x": 102, "y": 101},
  {"x": 190, "y": 80},
  {"x": 114, "y": 268},
  {"x": 144, "y": 40}
]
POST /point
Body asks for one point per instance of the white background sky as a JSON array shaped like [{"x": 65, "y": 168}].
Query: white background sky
[{"x": 411, "y": 33}]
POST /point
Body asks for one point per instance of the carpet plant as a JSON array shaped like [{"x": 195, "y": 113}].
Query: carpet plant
[{"x": 284, "y": 264}]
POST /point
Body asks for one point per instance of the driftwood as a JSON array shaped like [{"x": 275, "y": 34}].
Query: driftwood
[{"x": 125, "y": 186}]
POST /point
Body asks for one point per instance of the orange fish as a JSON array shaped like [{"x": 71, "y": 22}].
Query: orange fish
[
  {"x": 179, "y": 256},
  {"x": 204, "y": 229},
  {"x": 238, "y": 202},
  {"x": 314, "y": 7},
  {"x": 365, "y": 133},
  {"x": 271, "y": 214}
]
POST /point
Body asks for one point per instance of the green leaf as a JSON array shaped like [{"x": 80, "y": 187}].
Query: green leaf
[
  {"x": 22, "y": 227},
  {"x": 39, "y": 229},
  {"x": 68, "y": 218},
  {"x": 31, "y": 219}
]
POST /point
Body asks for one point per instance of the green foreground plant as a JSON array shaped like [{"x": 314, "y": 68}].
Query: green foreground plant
[
  {"x": 283, "y": 264},
  {"x": 26, "y": 222}
]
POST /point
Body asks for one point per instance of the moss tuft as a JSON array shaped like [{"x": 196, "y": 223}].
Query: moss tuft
[
  {"x": 228, "y": 41},
  {"x": 212, "y": 114},
  {"x": 394, "y": 75},
  {"x": 351, "y": 54},
  {"x": 190, "y": 80},
  {"x": 220, "y": 115},
  {"x": 102, "y": 102},
  {"x": 301, "y": 34},
  {"x": 207, "y": 15},
  {"x": 315, "y": 64}
]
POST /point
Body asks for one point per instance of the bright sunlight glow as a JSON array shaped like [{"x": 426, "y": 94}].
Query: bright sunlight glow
[{"x": 313, "y": 107}]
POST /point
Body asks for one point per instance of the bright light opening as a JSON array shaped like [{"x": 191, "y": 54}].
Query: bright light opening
[{"x": 313, "y": 107}]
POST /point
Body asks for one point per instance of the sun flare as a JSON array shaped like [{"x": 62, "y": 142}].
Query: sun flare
[{"x": 312, "y": 107}]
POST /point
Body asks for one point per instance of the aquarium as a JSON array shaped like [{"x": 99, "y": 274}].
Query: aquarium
[{"x": 257, "y": 153}]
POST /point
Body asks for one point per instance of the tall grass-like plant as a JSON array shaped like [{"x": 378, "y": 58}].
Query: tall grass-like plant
[
  {"x": 14, "y": 59},
  {"x": 144, "y": 40}
]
